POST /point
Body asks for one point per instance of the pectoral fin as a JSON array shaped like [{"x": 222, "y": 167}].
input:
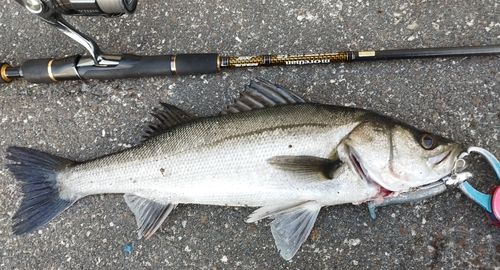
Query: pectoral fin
[
  {"x": 148, "y": 213},
  {"x": 291, "y": 226},
  {"x": 306, "y": 164}
]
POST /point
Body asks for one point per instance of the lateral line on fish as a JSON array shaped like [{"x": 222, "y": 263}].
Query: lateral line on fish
[
  {"x": 259, "y": 131},
  {"x": 232, "y": 173}
]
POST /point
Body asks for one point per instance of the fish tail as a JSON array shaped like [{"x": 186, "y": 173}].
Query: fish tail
[{"x": 38, "y": 172}]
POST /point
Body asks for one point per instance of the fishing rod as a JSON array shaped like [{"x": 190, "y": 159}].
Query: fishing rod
[{"x": 120, "y": 66}]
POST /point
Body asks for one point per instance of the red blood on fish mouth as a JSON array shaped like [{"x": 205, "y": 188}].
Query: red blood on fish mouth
[{"x": 382, "y": 192}]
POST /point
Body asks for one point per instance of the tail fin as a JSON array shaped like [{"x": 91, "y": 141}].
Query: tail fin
[{"x": 41, "y": 202}]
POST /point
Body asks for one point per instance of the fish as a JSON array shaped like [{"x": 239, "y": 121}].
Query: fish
[{"x": 270, "y": 149}]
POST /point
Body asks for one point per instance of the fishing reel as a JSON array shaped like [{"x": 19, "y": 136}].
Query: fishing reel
[
  {"x": 99, "y": 65},
  {"x": 51, "y": 11},
  {"x": 102, "y": 66},
  {"x": 107, "y": 8}
]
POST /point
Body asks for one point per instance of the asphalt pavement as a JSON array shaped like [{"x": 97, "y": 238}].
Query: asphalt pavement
[{"x": 455, "y": 97}]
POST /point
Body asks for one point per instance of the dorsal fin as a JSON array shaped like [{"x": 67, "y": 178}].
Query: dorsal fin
[
  {"x": 165, "y": 118},
  {"x": 258, "y": 94},
  {"x": 261, "y": 94}
]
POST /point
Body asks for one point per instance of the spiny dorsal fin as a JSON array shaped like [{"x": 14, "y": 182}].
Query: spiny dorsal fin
[
  {"x": 166, "y": 117},
  {"x": 261, "y": 94},
  {"x": 258, "y": 94}
]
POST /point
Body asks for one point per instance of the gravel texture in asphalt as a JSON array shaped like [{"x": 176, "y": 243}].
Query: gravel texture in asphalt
[{"x": 455, "y": 97}]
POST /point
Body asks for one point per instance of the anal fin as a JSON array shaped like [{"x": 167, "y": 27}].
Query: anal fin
[
  {"x": 291, "y": 226},
  {"x": 149, "y": 214}
]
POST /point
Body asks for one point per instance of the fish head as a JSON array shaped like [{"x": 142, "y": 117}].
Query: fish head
[{"x": 397, "y": 156}]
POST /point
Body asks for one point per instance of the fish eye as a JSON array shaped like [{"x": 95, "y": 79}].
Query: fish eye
[{"x": 427, "y": 141}]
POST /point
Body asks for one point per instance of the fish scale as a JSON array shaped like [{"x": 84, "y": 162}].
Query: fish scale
[
  {"x": 271, "y": 150},
  {"x": 215, "y": 163}
]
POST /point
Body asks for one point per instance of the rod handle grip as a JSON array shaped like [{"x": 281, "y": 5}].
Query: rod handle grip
[
  {"x": 199, "y": 63},
  {"x": 37, "y": 70},
  {"x": 130, "y": 66},
  {"x": 134, "y": 66}
]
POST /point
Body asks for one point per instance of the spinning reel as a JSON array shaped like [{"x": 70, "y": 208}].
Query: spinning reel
[
  {"x": 46, "y": 9},
  {"x": 121, "y": 66}
]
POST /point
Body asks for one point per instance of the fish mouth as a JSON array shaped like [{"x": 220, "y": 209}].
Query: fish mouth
[
  {"x": 437, "y": 159},
  {"x": 357, "y": 167},
  {"x": 382, "y": 192}
]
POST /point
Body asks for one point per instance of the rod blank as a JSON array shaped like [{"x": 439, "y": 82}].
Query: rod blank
[{"x": 134, "y": 66}]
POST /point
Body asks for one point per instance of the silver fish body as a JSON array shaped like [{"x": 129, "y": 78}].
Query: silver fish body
[
  {"x": 224, "y": 161},
  {"x": 284, "y": 155}
]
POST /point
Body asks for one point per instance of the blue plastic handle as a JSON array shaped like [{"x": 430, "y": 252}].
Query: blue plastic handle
[
  {"x": 490, "y": 203},
  {"x": 489, "y": 157},
  {"x": 483, "y": 200}
]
